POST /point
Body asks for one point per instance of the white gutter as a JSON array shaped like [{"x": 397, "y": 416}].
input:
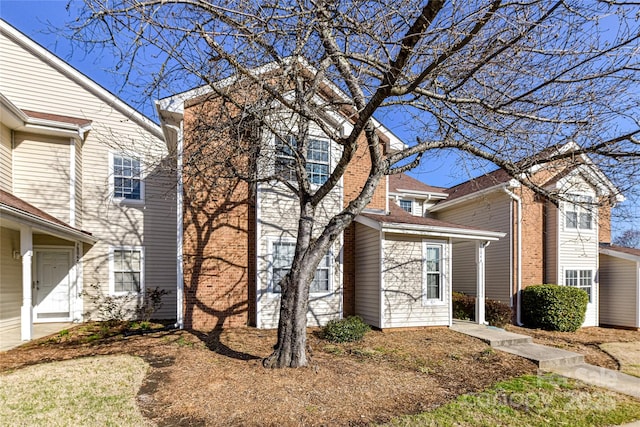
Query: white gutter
[
  {"x": 432, "y": 230},
  {"x": 48, "y": 226},
  {"x": 513, "y": 183},
  {"x": 519, "y": 267}
]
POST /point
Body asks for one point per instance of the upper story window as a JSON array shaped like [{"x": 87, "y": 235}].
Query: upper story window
[
  {"x": 282, "y": 253},
  {"x": 578, "y": 212},
  {"x": 407, "y": 205},
  {"x": 127, "y": 178},
  {"x": 317, "y": 159}
]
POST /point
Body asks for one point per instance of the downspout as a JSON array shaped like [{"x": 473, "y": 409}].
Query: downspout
[
  {"x": 519, "y": 257},
  {"x": 179, "y": 233}
]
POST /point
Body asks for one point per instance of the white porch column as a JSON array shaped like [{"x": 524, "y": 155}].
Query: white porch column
[
  {"x": 26, "y": 313},
  {"x": 480, "y": 291}
]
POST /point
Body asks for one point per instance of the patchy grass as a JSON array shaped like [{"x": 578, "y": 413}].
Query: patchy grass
[
  {"x": 96, "y": 391},
  {"x": 627, "y": 354},
  {"x": 532, "y": 401}
]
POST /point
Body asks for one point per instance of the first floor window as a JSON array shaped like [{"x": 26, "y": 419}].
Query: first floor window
[
  {"x": 433, "y": 272},
  {"x": 127, "y": 270},
  {"x": 282, "y": 253},
  {"x": 127, "y": 183},
  {"x": 407, "y": 205},
  {"x": 579, "y": 279}
]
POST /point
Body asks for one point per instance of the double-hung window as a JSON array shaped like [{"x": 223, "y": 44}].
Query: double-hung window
[
  {"x": 432, "y": 269},
  {"x": 582, "y": 279},
  {"x": 407, "y": 205},
  {"x": 127, "y": 270},
  {"x": 127, "y": 181},
  {"x": 282, "y": 254},
  {"x": 317, "y": 162},
  {"x": 578, "y": 212}
]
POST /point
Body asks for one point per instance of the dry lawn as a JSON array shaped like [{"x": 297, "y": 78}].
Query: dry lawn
[
  {"x": 96, "y": 391},
  {"x": 218, "y": 379},
  {"x": 627, "y": 354}
]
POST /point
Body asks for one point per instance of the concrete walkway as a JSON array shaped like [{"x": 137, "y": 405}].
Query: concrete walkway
[
  {"x": 11, "y": 338},
  {"x": 562, "y": 362}
]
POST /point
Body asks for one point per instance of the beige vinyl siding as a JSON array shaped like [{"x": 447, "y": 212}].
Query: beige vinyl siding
[
  {"x": 78, "y": 187},
  {"x": 10, "y": 279},
  {"x": 367, "y": 286},
  {"x": 41, "y": 172},
  {"x": 6, "y": 156},
  {"x": 619, "y": 287},
  {"x": 402, "y": 294},
  {"x": 278, "y": 221},
  {"x": 159, "y": 213},
  {"x": 33, "y": 84},
  {"x": 552, "y": 215},
  {"x": 465, "y": 277},
  {"x": 491, "y": 212}
]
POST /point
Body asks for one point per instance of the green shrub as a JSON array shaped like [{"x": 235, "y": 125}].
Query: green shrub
[
  {"x": 349, "y": 329},
  {"x": 553, "y": 307},
  {"x": 496, "y": 313},
  {"x": 464, "y": 306}
]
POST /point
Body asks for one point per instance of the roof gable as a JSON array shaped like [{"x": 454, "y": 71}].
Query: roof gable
[
  {"x": 401, "y": 182},
  {"x": 47, "y": 57}
]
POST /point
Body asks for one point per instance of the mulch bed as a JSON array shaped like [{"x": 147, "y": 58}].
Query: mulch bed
[{"x": 217, "y": 378}]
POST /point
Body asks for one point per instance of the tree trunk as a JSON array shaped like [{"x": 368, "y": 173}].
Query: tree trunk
[{"x": 290, "y": 350}]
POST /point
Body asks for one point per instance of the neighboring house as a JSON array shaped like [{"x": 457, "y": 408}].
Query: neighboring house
[
  {"x": 619, "y": 286},
  {"x": 86, "y": 205},
  {"x": 545, "y": 242},
  {"x": 390, "y": 267}
]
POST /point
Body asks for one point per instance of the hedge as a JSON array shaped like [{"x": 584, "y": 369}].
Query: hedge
[
  {"x": 349, "y": 329},
  {"x": 496, "y": 313},
  {"x": 553, "y": 307}
]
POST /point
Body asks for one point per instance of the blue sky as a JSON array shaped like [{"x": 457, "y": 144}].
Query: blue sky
[{"x": 35, "y": 18}]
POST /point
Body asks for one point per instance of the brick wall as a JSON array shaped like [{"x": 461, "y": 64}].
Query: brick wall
[{"x": 219, "y": 236}]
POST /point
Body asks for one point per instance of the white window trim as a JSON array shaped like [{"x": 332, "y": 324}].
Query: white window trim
[
  {"x": 579, "y": 208},
  {"x": 578, "y": 269},
  {"x": 112, "y": 281},
  {"x": 270, "y": 260},
  {"x": 123, "y": 200},
  {"x": 413, "y": 209},
  {"x": 309, "y": 137},
  {"x": 443, "y": 272}
]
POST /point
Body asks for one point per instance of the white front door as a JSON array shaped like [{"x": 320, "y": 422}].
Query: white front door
[{"x": 52, "y": 285}]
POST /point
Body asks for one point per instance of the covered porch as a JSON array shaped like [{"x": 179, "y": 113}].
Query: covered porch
[
  {"x": 404, "y": 269},
  {"x": 41, "y": 274}
]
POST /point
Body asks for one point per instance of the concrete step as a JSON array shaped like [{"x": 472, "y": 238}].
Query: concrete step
[
  {"x": 545, "y": 357},
  {"x": 493, "y": 336}
]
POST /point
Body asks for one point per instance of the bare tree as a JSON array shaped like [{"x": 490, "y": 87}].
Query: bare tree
[
  {"x": 499, "y": 81},
  {"x": 630, "y": 238}
]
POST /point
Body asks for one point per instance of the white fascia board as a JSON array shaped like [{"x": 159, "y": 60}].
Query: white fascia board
[
  {"x": 16, "y": 119},
  {"x": 175, "y": 103},
  {"x": 621, "y": 255},
  {"x": 595, "y": 177},
  {"x": 415, "y": 193},
  {"x": 368, "y": 222},
  {"x": 429, "y": 230},
  {"x": 75, "y": 75},
  {"x": 49, "y": 227},
  {"x": 513, "y": 183}
]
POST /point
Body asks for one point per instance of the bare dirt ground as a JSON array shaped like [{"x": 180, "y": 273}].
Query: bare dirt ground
[
  {"x": 586, "y": 341},
  {"x": 217, "y": 378}
]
